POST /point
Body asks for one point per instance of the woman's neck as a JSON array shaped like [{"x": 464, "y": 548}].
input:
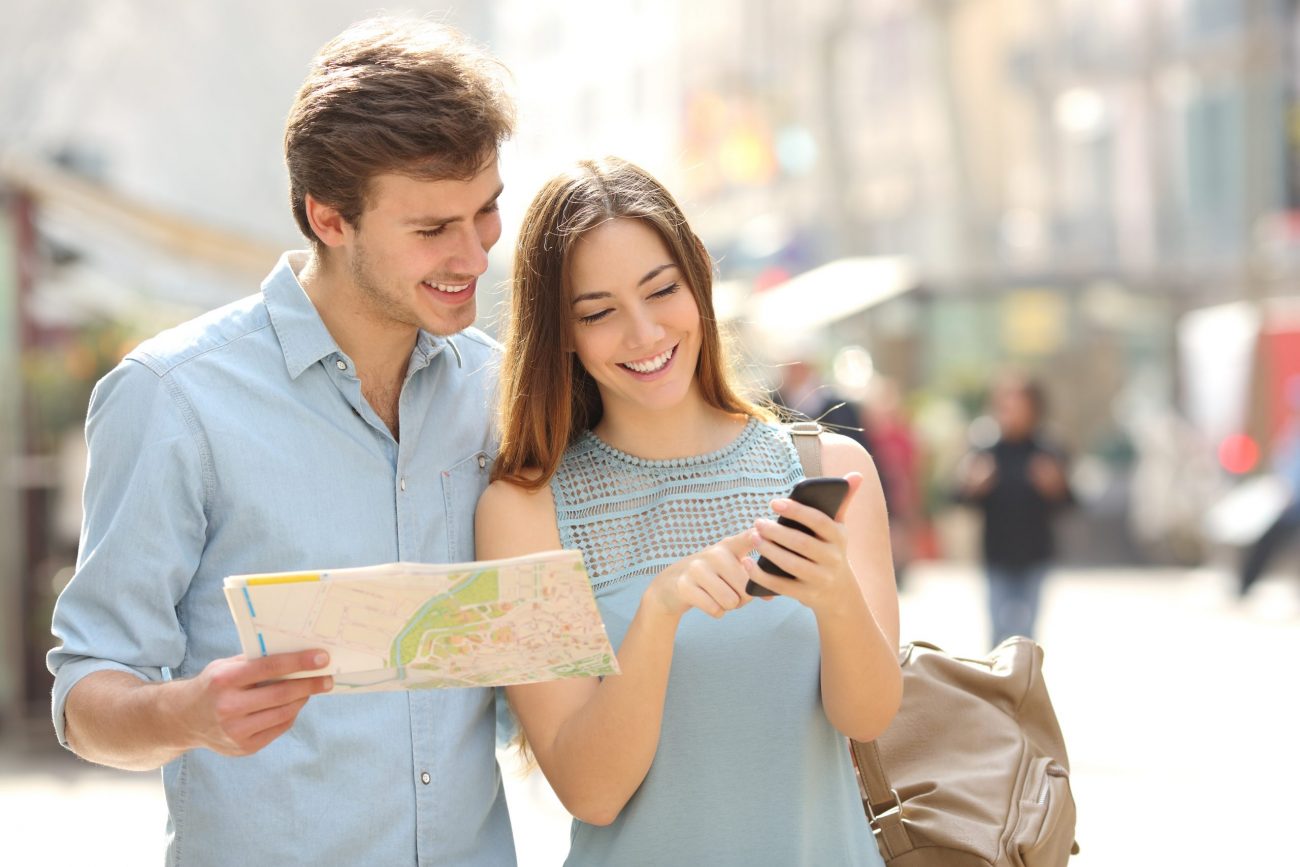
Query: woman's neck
[{"x": 685, "y": 431}]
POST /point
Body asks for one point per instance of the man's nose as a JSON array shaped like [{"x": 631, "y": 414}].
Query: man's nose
[{"x": 470, "y": 258}]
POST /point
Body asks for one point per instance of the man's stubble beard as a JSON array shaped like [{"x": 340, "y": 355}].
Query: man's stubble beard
[{"x": 381, "y": 304}]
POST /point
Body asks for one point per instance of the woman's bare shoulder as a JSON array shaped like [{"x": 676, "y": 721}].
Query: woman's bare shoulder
[
  {"x": 512, "y": 519},
  {"x": 841, "y": 455}
]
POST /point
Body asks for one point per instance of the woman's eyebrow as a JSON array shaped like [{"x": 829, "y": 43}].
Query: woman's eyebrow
[
  {"x": 590, "y": 296},
  {"x": 650, "y": 275},
  {"x": 655, "y": 272}
]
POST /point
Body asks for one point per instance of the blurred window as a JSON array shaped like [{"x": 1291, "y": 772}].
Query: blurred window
[
  {"x": 1206, "y": 18},
  {"x": 1212, "y": 126}
]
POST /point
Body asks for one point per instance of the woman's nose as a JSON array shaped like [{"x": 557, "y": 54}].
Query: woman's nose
[{"x": 644, "y": 329}]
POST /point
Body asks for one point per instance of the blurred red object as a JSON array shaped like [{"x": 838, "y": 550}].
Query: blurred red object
[{"x": 1238, "y": 454}]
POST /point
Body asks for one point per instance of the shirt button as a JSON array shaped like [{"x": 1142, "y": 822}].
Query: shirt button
[
  {"x": 482, "y": 461},
  {"x": 425, "y": 778},
  {"x": 341, "y": 364},
  {"x": 402, "y": 483}
]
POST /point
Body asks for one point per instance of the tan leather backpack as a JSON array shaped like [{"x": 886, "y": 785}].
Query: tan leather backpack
[{"x": 973, "y": 771}]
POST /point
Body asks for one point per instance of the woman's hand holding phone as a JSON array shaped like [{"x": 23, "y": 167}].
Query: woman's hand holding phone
[{"x": 808, "y": 544}]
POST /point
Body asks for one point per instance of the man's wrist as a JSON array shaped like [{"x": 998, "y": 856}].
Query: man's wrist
[{"x": 171, "y": 704}]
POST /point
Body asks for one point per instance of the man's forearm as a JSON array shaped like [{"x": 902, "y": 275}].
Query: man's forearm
[
  {"x": 116, "y": 719},
  {"x": 234, "y": 706}
]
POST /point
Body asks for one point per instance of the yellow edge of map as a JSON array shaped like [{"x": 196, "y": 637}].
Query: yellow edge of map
[{"x": 284, "y": 578}]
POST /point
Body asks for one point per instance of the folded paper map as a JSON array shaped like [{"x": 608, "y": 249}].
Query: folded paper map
[{"x": 415, "y": 625}]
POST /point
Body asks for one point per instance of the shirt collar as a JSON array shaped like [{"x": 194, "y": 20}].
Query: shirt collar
[
  {"x": 427, "y": 348},
  {"x": 304, "y": 339}
]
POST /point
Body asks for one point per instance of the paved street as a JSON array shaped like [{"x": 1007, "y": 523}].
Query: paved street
[{"x": 1182, "y": 738}]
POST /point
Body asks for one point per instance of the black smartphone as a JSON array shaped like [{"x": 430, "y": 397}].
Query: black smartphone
[{"x": 823, "y": 493}]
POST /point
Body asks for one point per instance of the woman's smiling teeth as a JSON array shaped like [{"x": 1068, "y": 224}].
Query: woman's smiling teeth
[{"x": 650, "y": 365}]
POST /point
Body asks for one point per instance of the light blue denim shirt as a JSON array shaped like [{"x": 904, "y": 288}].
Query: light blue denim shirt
[{"x": 240, "y": 442}]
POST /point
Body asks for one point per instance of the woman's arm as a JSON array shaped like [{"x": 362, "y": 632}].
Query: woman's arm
[
  {"x": 845, "y": 575},
  {"x": 595, "y": 738}
]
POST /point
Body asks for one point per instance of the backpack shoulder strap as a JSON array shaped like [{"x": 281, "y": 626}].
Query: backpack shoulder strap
[{"x": 806, "y": 436}]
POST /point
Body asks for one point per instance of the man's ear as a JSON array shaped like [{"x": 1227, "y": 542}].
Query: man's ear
[{"x": 326, "y": 222}]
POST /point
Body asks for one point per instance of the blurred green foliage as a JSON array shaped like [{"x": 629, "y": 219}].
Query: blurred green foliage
[{"x": 59, "y": 376}]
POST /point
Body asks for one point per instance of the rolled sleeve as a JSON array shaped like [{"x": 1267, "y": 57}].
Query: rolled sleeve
[
  {"x": 71, "y": 669},
  {"x": 142, "y": 536}
]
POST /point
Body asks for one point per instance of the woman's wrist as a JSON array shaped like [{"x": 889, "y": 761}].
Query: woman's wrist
[
  {"x": 846, "y": 605},
  {"x": 658, "y": 606}
]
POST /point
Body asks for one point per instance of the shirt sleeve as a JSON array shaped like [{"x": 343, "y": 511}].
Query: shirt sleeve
[{"x": 142, "y": 534}]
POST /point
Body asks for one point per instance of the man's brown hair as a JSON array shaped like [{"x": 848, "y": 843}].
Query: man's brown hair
[{"x": 392, "y": 95}]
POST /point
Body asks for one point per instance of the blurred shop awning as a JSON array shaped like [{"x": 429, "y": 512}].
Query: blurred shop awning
[
  {"x": 121, "y": 259},
  {"x": 829, "y": 293},
  {"x": 66, "y": 194}
]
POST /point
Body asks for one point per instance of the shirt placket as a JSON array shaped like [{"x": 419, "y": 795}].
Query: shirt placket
[
  {"x": 411, "y": 489},
  {"x": 344, "y": 376},
  {"x": 407, "y": 495}
]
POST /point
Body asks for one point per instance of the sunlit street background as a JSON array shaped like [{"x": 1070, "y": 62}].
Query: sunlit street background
[{"x": 904, "y": 198}]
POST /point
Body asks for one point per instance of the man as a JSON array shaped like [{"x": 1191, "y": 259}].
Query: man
[
  {"x": 339, "y": 418},
  {"x": 1019, "y": 483}
]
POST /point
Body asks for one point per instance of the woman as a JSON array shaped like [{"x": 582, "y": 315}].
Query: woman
[{"x": 722, "y": 740}]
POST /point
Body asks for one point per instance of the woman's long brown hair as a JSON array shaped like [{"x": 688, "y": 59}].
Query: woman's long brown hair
[{"x": 547, "y": 398}]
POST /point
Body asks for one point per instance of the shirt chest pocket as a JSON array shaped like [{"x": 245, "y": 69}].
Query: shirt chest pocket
[{"x": 462, "y": 484}]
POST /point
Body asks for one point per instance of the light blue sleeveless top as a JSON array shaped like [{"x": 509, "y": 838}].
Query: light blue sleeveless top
[{"x": 748, "y": 771}]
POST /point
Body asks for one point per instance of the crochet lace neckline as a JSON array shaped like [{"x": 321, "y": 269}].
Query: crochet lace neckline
[{"x": 751, "y": 427}]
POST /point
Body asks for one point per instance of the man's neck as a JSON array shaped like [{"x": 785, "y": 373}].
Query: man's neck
[{"x": 380, "y": 348}]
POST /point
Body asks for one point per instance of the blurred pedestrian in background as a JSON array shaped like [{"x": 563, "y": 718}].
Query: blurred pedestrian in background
[
  {"x": 1286, "y": 466},
  {"x": 804, "y": 393},
  {"x": 894, "y": 448},
  {"x": 1019, "y": 483}
]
